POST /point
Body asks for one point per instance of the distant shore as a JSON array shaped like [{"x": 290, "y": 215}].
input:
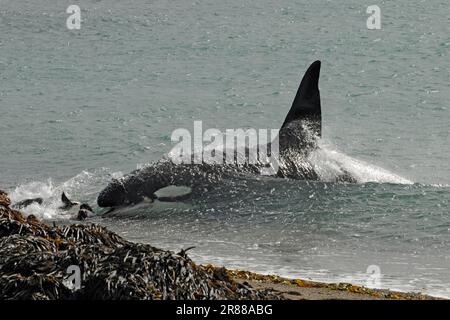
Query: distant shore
[{"x": 35, "y": 257}]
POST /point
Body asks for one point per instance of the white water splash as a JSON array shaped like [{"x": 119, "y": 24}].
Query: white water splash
[
  {"x": 83, "y": 187},
  {"x": 330, "y": 164},
  {"x": 36, "y": 189}
]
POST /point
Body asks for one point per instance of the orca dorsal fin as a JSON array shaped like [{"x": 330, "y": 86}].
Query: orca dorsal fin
[
  {"x": 305, "y": 112},
  {"x": 306, "y": 105}
]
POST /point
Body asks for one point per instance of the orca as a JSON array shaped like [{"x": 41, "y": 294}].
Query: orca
[{"x": 297, "y": 138}]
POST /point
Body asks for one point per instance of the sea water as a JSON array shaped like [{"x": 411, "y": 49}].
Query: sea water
[{"x": 81, "y": 106}]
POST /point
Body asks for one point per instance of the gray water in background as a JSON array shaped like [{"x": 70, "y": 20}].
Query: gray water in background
[{"x": 78, "y": 106}]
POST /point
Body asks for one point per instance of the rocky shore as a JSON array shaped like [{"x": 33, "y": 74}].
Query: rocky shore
[{"x": 36, "y": 262}]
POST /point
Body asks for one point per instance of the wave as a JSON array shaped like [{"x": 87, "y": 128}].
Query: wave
[{"x": 329, "y": 163}]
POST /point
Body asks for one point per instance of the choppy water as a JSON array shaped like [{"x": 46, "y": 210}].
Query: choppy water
[{"x": 80, "y": 106}]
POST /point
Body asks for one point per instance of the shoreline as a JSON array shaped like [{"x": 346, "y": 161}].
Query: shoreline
[
  {"x": 300, "y": 289},
  {"x": 35, "y": 257}
]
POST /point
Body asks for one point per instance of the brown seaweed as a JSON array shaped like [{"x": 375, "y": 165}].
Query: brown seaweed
[{"x": 34, "y": 259}]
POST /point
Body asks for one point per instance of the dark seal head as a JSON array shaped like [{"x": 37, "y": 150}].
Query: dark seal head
[
  {"x": 82, "y": 214},
  {"x": 87, "y": 207}
]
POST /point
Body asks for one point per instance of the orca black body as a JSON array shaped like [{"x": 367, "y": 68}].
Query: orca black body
[
  {"x": 297, "y": 138},
  {"x": 84, "y": 210}
]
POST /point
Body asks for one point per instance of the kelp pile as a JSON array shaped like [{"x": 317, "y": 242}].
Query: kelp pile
[{"x": 35, "y": 259}]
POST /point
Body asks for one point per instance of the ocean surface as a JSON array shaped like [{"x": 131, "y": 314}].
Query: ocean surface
[{"x": 78, "y": 107}]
